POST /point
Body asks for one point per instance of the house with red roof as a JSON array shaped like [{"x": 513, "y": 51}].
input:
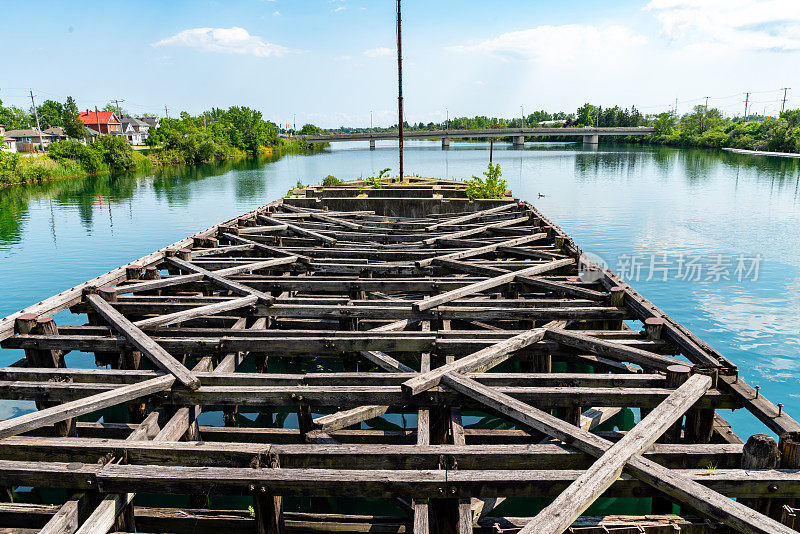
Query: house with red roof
[{"x": 105, "y": 122}]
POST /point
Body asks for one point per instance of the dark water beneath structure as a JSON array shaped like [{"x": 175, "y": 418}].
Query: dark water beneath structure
[{"x": 711, "y": 237}]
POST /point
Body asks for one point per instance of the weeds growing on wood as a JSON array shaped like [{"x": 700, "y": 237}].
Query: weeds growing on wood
[{"x": 491, "y": 187}]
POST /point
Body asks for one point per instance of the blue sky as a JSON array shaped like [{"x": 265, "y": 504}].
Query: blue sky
[{"x": 331, "y": 62}]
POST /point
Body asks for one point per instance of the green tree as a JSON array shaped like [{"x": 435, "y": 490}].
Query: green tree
[
  {"x": 51, "y": 113},
  {"x": 665, "y": 123},
  {"x": 310, "y": 129},
  {"x": 14, "y": 118},
  {"x": 73, "y": 125},
  {"x": 587, "y": 114},
  {"x": 113, "y": 107}
]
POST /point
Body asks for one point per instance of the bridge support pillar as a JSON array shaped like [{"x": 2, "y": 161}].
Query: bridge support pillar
[
  {"x": 592, "y": 139},
  {"x": 519, "y": 140},
  {"x": 372, "y": 143},
  {"x": 445, "y": 143}
]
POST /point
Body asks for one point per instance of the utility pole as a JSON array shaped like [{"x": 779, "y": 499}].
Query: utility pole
[
  {"x": 783, "y": 103},
  {"x": 370, "y": 120},
  {"x": 166, "y": 111},
  {"x": 400, "y": 87},
  {"x": 746, "y": 102},
  {"x": 703, "y": 116},
  {"x": 97, "y": 119},
  {"x": 118, "y": 110},
  {"x": 676, "y": 106},
  {"x": 294, "y": 122},
  {"x": 447, "y": 119},
  {"x": 36, "y": 114}
]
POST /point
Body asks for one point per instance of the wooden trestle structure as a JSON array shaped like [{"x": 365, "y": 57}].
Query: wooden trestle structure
[{"x": 412, "y": 300}]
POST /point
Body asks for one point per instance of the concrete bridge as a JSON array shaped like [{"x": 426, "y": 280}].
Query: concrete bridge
[{"x": 590, "y": 135}]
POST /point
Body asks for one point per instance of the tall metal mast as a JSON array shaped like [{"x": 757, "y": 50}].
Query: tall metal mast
[{"x": 400, "y": 88}]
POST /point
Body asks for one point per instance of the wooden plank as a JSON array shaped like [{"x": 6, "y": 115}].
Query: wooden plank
[
  {"x": 221, "y": 281},
  {"x": 149, "y": 285},
  {"x": 65, "y": 520},
  {"x": 556, "y": 517},
  {"x": 477, "y": 362},
  {"x": 679, "y": 487},
  {"x": 471, "y": 216},
  {"x": 48, "y": 416},
  {"x": 149, "y": 348},
  {"x": 475, "y": 231},
  {"x": 489, "y": 283},
  {"x": 343, "y": 419},
  {"x": 200, "y": 311},
  {"x": 264, "y": 248},
  {"x": 477, "y": 251},
  {"x": 613, "y": 350},
  {"x": 560, "y": 287},
  {"x": 256, "y": 266},
  {"x": 300, "y": 231}
]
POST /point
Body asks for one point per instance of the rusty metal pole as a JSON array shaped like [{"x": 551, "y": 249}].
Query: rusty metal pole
[{"x": 400, "y": 88}]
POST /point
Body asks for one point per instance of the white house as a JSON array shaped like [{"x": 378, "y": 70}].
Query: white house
[{"x": 8, "y": 144}]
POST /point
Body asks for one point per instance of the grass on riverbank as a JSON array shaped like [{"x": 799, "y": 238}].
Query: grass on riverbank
[
  {"x": 80, "y": 162},
  {"x": 16, "y": 169}
]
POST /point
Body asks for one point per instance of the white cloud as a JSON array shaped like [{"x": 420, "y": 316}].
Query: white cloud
[
  {"x": 381, "y": 51},
  {"x": 340, "y": 8},
  {"x": 739, "y": 24},
  {"x": 276, "y": 13},
  {"x": 225, "y": 40},
  {"x": 557, "y": 43}
]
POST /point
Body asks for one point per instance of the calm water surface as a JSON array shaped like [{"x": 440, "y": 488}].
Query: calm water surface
[{"x": 649, "y": 212}]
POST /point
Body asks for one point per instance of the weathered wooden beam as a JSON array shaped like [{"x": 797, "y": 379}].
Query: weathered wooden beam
[
  {"x": 257, "y": 265},
  {"x": 200, "y": 311},
  {"x": 329, "y": 241},
  {"x": 557, "y": 516},
  {"x": 157, "y": 284},
  {"x": 682, "y": 488},
  {"x": 612, "y": 350},
  {"x": 221, "y": 281},
  {"x": 478, "y": 251},
  {"x": 471, "y": 216},
  {"x": 490, "y": 283},
  {"x": 143, "y": 342},
  {"x": 48, "y": 416},
  {"x": 475, "y": 231},
  {"x": 477, "y": 362},
  {"x": 264, "y": 248}
]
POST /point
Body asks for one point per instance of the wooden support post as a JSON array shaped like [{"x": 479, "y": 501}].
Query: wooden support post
[
  {"x": 789, "y": 447},
  {"x": 29, "y": 323},
  {"x": 268, "y": 507},
  {"x": 676, "y": 376},
  {"x": 422, "y": 508},
  {"x": 760, "y": 452},
  {"x": 700, "y": 421},
  {"x": 133, "y": 272}
]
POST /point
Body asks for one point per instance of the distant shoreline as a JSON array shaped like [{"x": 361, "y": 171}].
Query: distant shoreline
[{"x": 763, "y": 153}]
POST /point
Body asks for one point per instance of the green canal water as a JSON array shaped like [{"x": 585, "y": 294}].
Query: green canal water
[{"x": 710, "y": 237}]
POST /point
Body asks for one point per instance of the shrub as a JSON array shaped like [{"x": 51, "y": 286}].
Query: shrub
[
  {"x": 89, "y": 157},
  {"x": 117, "y": 153},
  {"x": 491, "y": 187},
  {"x": 331, "y": 180}
]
